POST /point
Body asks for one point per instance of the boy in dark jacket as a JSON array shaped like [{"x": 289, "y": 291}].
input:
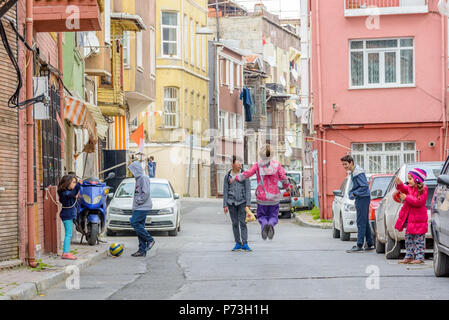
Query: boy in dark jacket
[
  {"x": 360, "y": 192},
  {"x": 236, "y": 197}
]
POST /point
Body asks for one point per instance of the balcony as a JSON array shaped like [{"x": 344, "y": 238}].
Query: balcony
[
  {"x": 60, "y": 15},
  {"x": 360, "y": 8}
]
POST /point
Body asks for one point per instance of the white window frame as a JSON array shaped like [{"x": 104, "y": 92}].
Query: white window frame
[
  {"x": 126, "y": 49},
  {"x": 139, "y": 51},
  {"x": 152, "y": 52},
  {"x": 198, "y": 47},
  {"x": 192, "y": 43},
  {"x": 240, "y": 127},
  {"x": 167, "y": 56},
  {"x": 175, "y": 114},
  {"x": 233, "y": 125},
  {"x": 186, "y": 38},
  {"x": 227, "y": 72},
  {"x": 222, "y": 123},
  {"x": 226, "y": 131},
  {"x": 231, "y": 75},
  {"x": 383, "y": 155},
  {"x": 382, "y": 51},
  {"x": 237, "y": 81},
  {"x": 107, "y": 21},
  {"x": 204, "y": 55}
]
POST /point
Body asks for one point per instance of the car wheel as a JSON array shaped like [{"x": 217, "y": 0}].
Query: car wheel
[
  {"x": 344, "y": 236},
  {"x": 335, "y": 231},
  {"x": 440, "y": 262},
  {"x": 110, "y": 233},
  {"x": 380, "y": 247},
  {"x": 392, "y": 251},
  {"x": 179, "y": 227},
  {"x": 173, "y": 233}
]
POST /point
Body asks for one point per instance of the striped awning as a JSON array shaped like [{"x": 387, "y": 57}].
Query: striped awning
[{"x": 83, "y": 114}]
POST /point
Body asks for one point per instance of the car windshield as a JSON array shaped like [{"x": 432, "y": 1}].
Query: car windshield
[
  {"x": 157, "y": 190},
  {"x": 381, "y": 183},
  {"x": 254, "y": 184}
]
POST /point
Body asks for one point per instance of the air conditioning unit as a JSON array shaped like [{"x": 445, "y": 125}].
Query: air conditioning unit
[{"x": 40, "y": 87}]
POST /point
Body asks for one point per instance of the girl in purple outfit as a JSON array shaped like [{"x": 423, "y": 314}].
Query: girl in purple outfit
[{"x": 268, "y": 195}]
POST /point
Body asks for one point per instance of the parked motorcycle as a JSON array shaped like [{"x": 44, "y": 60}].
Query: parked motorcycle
[{"x": 91, "y": 214}]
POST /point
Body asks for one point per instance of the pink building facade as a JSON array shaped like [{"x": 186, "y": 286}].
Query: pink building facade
[{"x": 379, "y": 83}]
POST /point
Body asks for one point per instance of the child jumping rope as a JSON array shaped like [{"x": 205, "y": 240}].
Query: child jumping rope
[
  {"x": 268, "y": 172},
  {"x": 413, "y": 215},
  {"x": 68, "y": 189}
]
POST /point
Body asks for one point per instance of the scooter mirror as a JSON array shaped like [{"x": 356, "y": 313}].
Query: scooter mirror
[{"x": 111, "y": 175}]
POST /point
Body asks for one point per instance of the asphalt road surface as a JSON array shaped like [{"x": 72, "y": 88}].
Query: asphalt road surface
[{"x": 299, "y": 263}]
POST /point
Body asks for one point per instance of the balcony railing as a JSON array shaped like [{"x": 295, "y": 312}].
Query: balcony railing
[{"x": 355, "y": 8}]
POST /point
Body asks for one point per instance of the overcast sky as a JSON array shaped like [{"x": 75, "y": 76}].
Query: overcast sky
[{"x": 283, "y": 8}]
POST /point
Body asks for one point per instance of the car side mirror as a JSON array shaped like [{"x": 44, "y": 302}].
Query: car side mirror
[
  {"x": 338, "y": 193},
  {"x": 111, "y": 195},
  {"x": 443, "y": 179},
  {"x": 176, "y": 196},
  {"x": 376, "y": 194}
]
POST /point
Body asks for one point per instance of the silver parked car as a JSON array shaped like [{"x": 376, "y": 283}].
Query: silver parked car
[
  {"x": 388, "y": 239},
  {"x": 344, "y": 212},
  {"x": 164, "y": 216},
  {"x": 285, "y": 205}
]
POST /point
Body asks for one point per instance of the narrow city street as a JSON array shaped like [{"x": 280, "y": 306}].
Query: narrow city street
[{"x": 299, "y": 263}]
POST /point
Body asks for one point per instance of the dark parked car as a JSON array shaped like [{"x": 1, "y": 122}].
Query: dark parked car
[{"x": 440, "y": 223}]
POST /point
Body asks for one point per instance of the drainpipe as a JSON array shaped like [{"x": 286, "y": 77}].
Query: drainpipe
[
  {"x": 61, "y": 87},
  {"x": 320, "y": 114},
  {"x": 29, "y": 124},
  {"x": 443, "y": 78}
]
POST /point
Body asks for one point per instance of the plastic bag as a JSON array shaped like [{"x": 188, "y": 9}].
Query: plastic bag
[{"x": 249, "y": 215}]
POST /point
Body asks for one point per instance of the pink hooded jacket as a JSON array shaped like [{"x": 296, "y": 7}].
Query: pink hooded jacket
[
  {"x": 268, "y": 172},
  {"x": 413, "y": 211}
]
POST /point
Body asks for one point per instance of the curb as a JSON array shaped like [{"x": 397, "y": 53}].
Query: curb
[
  {"x": 29, "y": 290},
  {"x": 304, "y": 223}
]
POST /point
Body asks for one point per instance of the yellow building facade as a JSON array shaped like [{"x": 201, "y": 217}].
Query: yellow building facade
[{"x": 181, "y": 107}]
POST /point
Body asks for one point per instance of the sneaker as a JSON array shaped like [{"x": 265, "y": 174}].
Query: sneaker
[
  {"x": 139, "y": 254},
  {"x": 270, "y": 232},
  {"x": 265, "y": 231},
  {"x": 150, "y": 244},
  {"x": 246, "y": 248},
  {"x": 354, "y": 249},
  {"x": 370, "y": 248},
  {"x": 237, "y": 247},
  {"x": 68, "y": 256}
]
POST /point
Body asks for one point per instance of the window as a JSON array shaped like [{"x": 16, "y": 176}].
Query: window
[
  {"x": 237, "y": 76},
  {"x": 204, "y": 52},
  {"x": 126, "y": 51},
  {"x": 152, "y": 52},
  {"x": 107, "y": 21},
  {"x": 171, "y": 107},
  {"x": 198, "y": 48},
  {"x": 192, "y": 43},
  {"x": 382, "y": 157},
  {"x": 223, "y": 71},
  {"x": 169, "y": 34},
  {"x": 233, "y": 125},
  {"x": 381, "y": 63},
  {"x": 222, "y": 123},
  {"x": 239, "y": 127},
  {"x": 227, "y": 72},
  {"x": 139, "y": 52},
  {"x": 186, "y": 37},
  {"x": 231, "y": 75}
]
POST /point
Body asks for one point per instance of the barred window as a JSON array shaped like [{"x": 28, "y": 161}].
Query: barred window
[{"x": 171, "y": 95}]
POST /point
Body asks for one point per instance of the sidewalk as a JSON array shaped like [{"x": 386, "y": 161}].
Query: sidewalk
[
  {"x": 24, "y": 283},
  {"x": 305, "y": 219}
]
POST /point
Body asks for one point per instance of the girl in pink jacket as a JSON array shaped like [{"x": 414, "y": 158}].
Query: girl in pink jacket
[
  {"x": 413, "y": 215},
  {"x": 268, "y": 172}
]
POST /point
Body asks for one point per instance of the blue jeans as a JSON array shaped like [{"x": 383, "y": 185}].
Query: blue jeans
[
  {"x": 138, "y": 223},
  {"x": 68, "y": 227},
  {"x": 363, "y": 227}
]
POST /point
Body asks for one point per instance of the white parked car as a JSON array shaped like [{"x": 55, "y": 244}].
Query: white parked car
[
  {"x": 344, "y": 212},
  {"x": 164, "y": 216}
]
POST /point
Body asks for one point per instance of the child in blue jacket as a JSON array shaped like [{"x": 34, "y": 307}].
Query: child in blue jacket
[{"x": 68, "y": 189}]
